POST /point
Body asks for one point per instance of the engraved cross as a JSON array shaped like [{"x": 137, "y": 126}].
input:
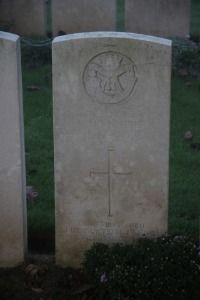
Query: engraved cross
[{"x": 110, "y": 174}]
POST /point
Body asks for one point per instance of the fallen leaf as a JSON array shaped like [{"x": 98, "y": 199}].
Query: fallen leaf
[
  {"x": 31, "y": 194},
  {"x": 33, "y": 88},
  {"x": 188, "y": 135}
]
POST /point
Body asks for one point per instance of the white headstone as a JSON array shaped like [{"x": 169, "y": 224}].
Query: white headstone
[
  {"x": 111, "y": 132},
  {"x": 164, "y": 18},
  {"x": 83, "y": 16},
  {"x": 13, "y": 236},
  {"x": 24, "y": 17}
]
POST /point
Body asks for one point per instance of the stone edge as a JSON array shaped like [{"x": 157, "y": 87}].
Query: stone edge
[
  {"x": 9, "y": 36},
  {"x": 108, "y": 34}
]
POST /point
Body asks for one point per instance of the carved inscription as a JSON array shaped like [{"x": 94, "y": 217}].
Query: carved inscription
[
  {"x": 108, "y": 128},
  {"x": 108, "y": 232},
  {"x": 110, "y": 77},
  {"x": 110, "y": 174}
]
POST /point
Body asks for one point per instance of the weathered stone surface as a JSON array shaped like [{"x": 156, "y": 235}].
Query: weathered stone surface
[
  {"x": 164, "y": 18},
  {"x": 111, "y": 133},
  {"x": 83, "y": 15},
  {"x": 23, "y": 17},
  {"x": 13, "y": 235}
]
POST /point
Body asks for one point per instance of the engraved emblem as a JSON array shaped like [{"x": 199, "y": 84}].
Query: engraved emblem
[{"x": 110, "y": 77}]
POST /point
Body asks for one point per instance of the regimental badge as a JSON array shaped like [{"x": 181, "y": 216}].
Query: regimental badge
[{"x": 110, "y": 78}]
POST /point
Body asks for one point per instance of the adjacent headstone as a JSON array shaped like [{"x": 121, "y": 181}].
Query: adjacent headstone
[
  {"x": 111, "y": 133},
  {"x": 164, "y": 18},
  {"x": 83, "y": 16},
  {"x": 24, "y": 17},
  {"x": 13, "y": 234}
]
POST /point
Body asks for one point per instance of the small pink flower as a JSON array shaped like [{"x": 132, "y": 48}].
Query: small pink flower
[{"x": 103, "y": 278}]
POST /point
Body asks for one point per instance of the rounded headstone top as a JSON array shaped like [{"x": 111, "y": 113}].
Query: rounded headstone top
[
  {"x": 9, "y": 36},
  {"x": 108, "y": 34}
]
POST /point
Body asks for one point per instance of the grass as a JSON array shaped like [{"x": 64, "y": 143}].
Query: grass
[
  {"x": 39, "y": 150},
  {"x": 184, "y": 189},
  {"x": 184, "y": 161}
]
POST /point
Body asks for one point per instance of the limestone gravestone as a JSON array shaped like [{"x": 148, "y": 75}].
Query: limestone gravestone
[
  {"x": 13, "y": 235},
  {"x": 83, "y": 15},
  {"x": 164, "y": 18},
  {"x": 111, "y": 133},
  {"x": 23, "y": 17}
]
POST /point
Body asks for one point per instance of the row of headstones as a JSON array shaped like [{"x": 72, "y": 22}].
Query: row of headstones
[
  {"x": 111, "y": 95},
  {"x": 164, "y": 18}
]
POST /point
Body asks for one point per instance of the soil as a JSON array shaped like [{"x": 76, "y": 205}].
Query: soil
[{"x": 39, "y": 279}]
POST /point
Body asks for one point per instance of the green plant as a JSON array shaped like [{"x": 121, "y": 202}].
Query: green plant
[
  {"x": 38, "y": 126},
  {"x": 186, "y": 54},
  {"x": 35, "y": 51},
  {"x": 165, "y": 268}
]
